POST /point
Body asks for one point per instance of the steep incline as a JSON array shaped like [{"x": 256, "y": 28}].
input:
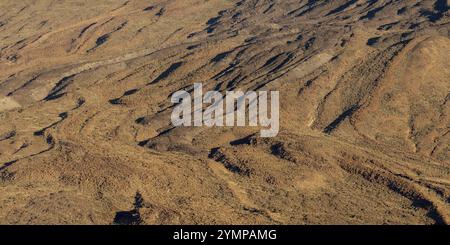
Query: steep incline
[{"x": 85, "y": 111}]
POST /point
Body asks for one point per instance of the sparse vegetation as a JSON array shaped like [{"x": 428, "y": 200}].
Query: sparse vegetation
[{"x": 85, "y": 109}]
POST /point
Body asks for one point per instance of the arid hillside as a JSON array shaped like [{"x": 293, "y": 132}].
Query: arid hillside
[{"x": 86, "y": 136}]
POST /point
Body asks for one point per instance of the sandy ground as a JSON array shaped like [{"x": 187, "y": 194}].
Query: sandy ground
[{"x": 85, "y": 110}]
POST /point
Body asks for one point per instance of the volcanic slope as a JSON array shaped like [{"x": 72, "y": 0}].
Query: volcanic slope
[{"x": 86, "y": 137}]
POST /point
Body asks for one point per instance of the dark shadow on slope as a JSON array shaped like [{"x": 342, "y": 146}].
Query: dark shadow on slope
[
  {"x": 340, "y": 119},
  {"x": 342, "y": 7},
  {"x": 7, "y": 135},
  {"x": 247, "y": 140},
  {"x": 132, "y": 217},
  {"x": 105, "y": 37},
  {"x": 85, "y": 29},
  {"x": 440, "y": 7},
  {"x": 7, "y": 165},
  {"x": 56, "y": 91},
  {"x": 371, "y": 14},
  {"x": 220, "y": 57},
  {"x": 161, "y": 12},
  {"x": 150, "y": 8},
  {"x": 233, "y": 167},
  {"x": 372, "y": 41},
  {"x": 214, "y": 22},
  {"x": 167, "y": 72}
]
